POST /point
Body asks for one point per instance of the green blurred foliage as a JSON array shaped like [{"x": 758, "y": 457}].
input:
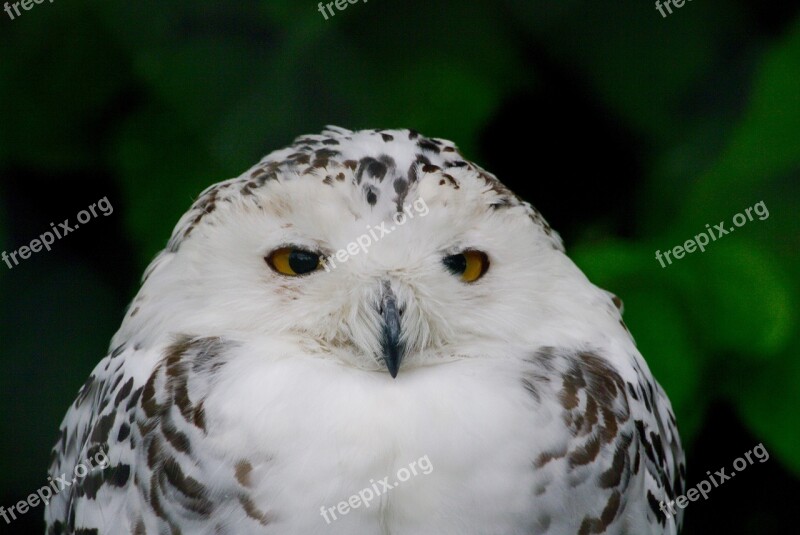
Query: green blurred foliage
[
  {"x": 199, "y": 91},
  {"x": 724, "y": 324}
]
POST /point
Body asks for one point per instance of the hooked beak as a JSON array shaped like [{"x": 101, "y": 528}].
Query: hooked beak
[{"x": 391, "y": 345}]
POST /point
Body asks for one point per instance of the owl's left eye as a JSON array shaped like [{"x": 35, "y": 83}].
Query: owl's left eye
[
  {"x": 293, "y": 261},
  {"x": 469, "y": 265}
]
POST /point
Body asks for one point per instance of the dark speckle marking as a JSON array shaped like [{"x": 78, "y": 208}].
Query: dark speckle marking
[
  {"x": 253, "y": 512},
  {"x": 299, "y": 158},
  {"x": 103, "y": 427},
  {"x": 401, "y": 188},
  {"x": 134, "y": 398},
  {"x": 452, "y": 180},
  {"x": 88, "y": 387},
  {"x": 546, "y": 457},
  {"x": 600, "y": 525},
  {"x": 124, "y": 392},
  {"x": 653, "y": 503},
  {"x": 372, "y": 167},
  {"x": 176, "y": 438},
  {"x": 191, "y": 494},
  {"x": 243, "y": 470},
  {"x": 427, "y": 144},
  {"x": 117, "y": 475},
  {"x": 371, "y": 194},
  {"x": 585, "y": 454},
  {"x": 326, "y": 154},
  {"x": 412, "y": 173},
  {"x": 199, "y": 417},
  {"x": 318, "y": 163}
]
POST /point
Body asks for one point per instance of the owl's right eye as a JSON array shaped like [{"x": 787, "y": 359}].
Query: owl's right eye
[{"x": 292, "y": 261}]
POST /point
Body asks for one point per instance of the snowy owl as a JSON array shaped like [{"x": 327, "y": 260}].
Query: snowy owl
[{"x": 351, "y": 306}]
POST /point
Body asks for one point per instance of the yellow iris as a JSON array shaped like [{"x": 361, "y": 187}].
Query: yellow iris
[
  {"x": 293, "y": 261},
  {"x": 470, "y": 265}
]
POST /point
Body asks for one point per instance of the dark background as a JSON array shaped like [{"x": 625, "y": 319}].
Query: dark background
[{"x": 627, "y": 130}]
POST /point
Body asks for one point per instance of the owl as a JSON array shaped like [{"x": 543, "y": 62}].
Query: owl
[{"x": 352, "y": 305}]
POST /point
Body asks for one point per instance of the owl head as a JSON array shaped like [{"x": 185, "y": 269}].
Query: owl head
[{"x": 381, "y": 250}]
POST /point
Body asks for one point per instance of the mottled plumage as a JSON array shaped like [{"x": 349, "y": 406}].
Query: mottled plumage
[{"x": 237, "y": 399}]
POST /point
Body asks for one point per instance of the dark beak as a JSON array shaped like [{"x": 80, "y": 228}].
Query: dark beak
[{"x": 391, "y": 345}]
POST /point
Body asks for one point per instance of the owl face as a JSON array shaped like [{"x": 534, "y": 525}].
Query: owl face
[{"x": 381, "y": 250}]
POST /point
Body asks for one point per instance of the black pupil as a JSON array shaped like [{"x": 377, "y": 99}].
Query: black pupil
[
  {"x": 456, "y": 263},
  {"x": 303, "y": 261}
]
